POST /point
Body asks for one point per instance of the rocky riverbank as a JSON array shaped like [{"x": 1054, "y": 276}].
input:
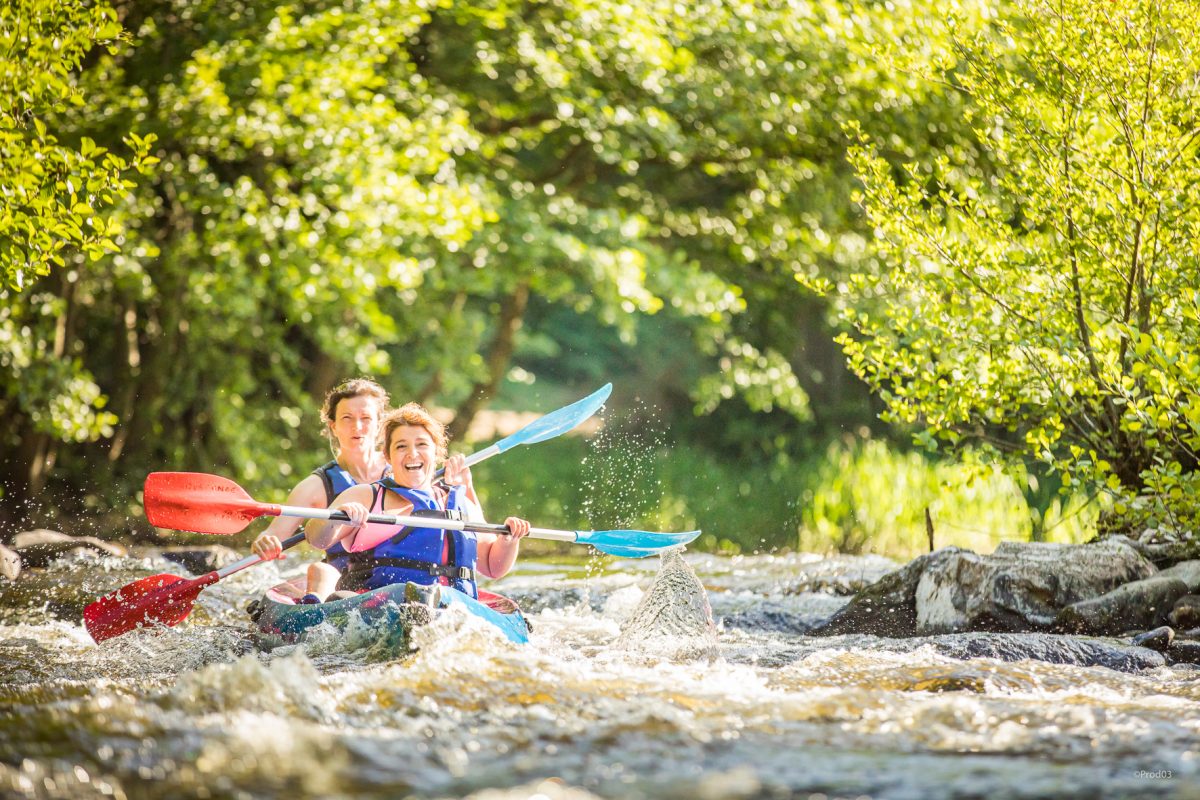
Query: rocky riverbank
[{"x": 1108, "y": 588}]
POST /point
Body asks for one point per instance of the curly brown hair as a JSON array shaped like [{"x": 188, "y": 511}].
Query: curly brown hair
[
  {"x": 352, "y": 388},
  {"x": 418, "y": 416}
]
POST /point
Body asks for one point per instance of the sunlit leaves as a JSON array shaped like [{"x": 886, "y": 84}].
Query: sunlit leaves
[
  {"x": 51, "y": 192},
  {"x": 1042, "y": 310}
]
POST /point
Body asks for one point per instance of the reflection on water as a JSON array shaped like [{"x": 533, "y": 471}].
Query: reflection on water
[{"x": 197, "y": 711}]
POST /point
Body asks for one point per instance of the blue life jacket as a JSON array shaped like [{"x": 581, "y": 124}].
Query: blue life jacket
[
  {"x": 336, "y": 480},
  {"x": 415, "y": 554}
]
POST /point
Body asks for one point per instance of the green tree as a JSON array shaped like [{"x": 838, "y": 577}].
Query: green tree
[
  {"x": 1049, "y": 308},
  {"x": 435, "y": 193},
  {"x": 53, "y": 192},
  {"x": 55, "y": 188}
]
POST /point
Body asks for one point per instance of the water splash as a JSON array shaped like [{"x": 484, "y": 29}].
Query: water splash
[
  {"x": 622, "y": 481},
  {"x": 674, "y": 619}
]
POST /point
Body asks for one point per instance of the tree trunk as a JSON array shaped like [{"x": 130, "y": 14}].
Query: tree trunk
[{"x": 512, "y": 314}]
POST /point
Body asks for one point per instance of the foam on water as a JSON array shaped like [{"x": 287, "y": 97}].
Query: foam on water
[{"x": 193, "y": 710}]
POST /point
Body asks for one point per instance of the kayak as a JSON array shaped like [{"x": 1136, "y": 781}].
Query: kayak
[{"x": 396, "y": 608}]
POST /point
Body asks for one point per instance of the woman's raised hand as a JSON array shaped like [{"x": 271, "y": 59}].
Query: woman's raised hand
[{"x": 457, "y": 472}]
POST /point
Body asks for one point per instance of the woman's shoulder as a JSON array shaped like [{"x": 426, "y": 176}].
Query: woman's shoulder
[{"x": 358, "y": 493}]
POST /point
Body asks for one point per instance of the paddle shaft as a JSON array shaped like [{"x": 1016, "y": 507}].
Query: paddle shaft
[
  {"x": 250, "y": 561},
  {"x": 417, "y": 522},
  {"x": 475, "y": 458}
]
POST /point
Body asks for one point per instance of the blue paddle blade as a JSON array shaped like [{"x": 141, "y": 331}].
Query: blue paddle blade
[
  {"x": 633, "y": 544},
  {"x": 557, "y": 422}
]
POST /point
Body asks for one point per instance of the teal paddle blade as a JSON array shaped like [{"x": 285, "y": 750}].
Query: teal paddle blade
[
  {"x": 557, "y": 422},
  {"x": 634, "y": 544}
]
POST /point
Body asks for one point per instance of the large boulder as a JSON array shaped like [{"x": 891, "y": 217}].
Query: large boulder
[
  {"x": 888, "y": 606},
  {"x": 1022, "y": 586},
  {"x": 1139, "y": 605},
  {"x": 1186, "y": 571}
]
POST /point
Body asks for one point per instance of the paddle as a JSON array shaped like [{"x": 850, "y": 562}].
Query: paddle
[
  {"x": 545, "y": 427},
  {"x": 211, "y": 504},
  {"x": 196, "y": 501},
  {"x": 163, "y": 599}
]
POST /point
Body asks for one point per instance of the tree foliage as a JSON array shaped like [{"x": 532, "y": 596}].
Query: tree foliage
[
  {"x": 436, "y": 193},
  {"x": 53, "y": 192},
  {"x": 1048, "y": 306}
]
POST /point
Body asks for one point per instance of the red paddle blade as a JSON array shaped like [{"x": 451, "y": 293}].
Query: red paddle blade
[
  {"x": 195, "y": 501},
  {"x": 163, "y": 599}
]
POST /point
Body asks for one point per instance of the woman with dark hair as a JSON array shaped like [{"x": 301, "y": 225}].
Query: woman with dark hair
[{"x": 351, "y": 414}]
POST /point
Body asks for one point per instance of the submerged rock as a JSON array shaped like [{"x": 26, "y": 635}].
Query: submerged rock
[
  {"x": 1135, "y": 606},
  {"x": 674, "y": 618},
  {"x": 1047, "y": 647},
  {"x": 1158, "y": 639},
  {"x": 1021, "y": 586}
]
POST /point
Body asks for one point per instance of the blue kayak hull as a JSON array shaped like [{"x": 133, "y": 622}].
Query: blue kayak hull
[{"x": 280, "y": 620}]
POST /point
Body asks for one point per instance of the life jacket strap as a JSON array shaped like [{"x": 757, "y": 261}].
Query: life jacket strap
[{"x": 438, "y": 570}]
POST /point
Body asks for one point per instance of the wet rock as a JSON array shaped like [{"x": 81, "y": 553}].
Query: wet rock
[
  {"x": 38, "y": 536},
  {"x": 768, "y": 617},
  {"x": 839, "y": 575},
  {"x": 1186, "y": 571},
  {"x": 1186, "y": 612},
  {"x": 1184, "y": 652},
  {"x": 201, "y": 560},
  {"x": 40, "y": 548},
  {"x": 10, "y": 563},
  {"x": 1139, "y": 605},
  {"x": 1158, "y": 639},
  {"x": 888, "y": 606},
  {"x": 674, "y": 618},
  {"x": 1052, "y": 648},
  {"x": 1021, "y": 586}
]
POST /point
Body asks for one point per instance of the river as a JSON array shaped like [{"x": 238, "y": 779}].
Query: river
[{"x": 198, "y": 712}]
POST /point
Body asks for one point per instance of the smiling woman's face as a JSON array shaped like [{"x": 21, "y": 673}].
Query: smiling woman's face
[{"x": 413, "y": 456}]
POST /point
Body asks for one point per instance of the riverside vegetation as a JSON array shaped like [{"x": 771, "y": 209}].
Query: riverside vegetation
[{"x": 227, "y": 208}]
